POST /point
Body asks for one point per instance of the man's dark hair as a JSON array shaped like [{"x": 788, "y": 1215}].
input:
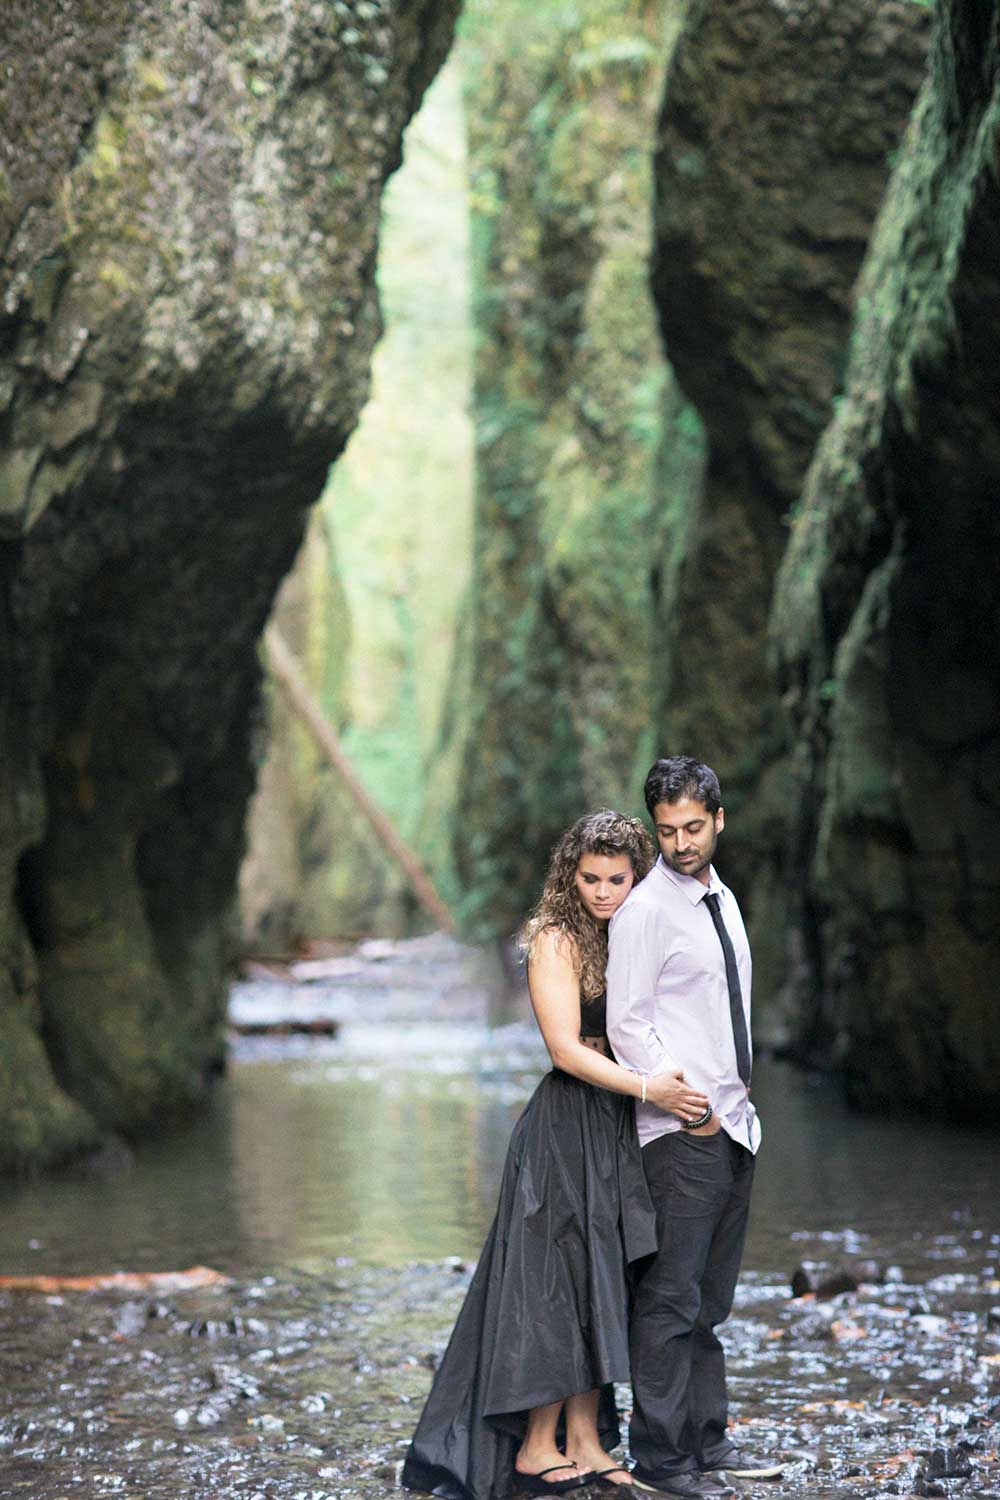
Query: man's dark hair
[{"x": 678, "y": 776}]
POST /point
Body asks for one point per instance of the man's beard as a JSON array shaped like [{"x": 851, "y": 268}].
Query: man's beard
[{"x": 694, "y": 866}]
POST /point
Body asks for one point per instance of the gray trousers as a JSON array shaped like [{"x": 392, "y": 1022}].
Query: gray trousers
[{"x": 700, "y": 1186}]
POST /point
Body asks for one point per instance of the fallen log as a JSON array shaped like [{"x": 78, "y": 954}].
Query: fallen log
[
  {"x": 320, "y": 1026},
  {"x": 119, "y": 1281},
  {"x": 289, "y": 677}
]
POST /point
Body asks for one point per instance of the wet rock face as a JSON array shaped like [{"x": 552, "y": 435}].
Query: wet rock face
[
  {"x": 774, "y": 147},
  {"x": 886, "y": 617},
  {"x": 583, "y": 443},
  {"x": 189, "y": 204}
]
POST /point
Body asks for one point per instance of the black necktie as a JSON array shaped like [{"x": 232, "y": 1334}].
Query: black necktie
[{"x": 735, "y": 993}]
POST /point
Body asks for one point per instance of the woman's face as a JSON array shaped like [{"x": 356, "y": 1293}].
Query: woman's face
[{"x": 603, "y": 881}]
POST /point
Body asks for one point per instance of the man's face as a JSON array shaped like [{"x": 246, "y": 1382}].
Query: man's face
[{"x": 687, "y": 834}]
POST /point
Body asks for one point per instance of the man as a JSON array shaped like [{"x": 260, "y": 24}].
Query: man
[{"x": 679, "y": 1001}]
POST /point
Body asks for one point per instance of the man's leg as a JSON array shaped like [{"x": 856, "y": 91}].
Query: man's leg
[
  {"x": 707, "y": 1405},
  {"x": 691, "y": 1180}
]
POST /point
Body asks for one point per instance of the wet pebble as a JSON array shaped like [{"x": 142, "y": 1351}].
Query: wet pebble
[
  {"x": 814, "y": 1328},
  {"x": 933, "y": 1327},
  {"x": 268, "y": 1422},
  {"x": 235, "y": 1383},
  {"x": 130, "y": 1319}
]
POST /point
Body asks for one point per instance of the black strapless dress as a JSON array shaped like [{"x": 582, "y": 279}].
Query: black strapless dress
[{"x": 546, "y": 1313}]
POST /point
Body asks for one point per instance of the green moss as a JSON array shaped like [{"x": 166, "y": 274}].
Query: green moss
[
  {"x": 573, "y": 404},
  {"x": 40, "y": 1125}
]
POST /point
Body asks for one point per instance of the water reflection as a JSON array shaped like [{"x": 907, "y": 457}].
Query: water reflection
[
  {"x": 831, "y": 1174},
  {"x": 387, "y": 1144},
  {"x": 383, "y": 1170}
]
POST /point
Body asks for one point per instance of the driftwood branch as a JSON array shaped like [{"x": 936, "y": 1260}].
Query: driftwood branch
[{"x": 290, "y": 678}]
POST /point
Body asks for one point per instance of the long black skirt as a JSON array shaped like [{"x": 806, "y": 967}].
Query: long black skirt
[{"x": 546, "y": 1314}]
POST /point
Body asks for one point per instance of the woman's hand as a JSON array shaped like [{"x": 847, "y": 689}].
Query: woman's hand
[{"x": 669, "y": 1091}]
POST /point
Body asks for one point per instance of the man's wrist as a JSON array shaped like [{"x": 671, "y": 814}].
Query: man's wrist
[{"x": 697, "y": 1124}]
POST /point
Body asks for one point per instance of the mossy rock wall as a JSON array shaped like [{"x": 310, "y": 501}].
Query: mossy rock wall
[
  {"x": 580, "y": 433},
  {"x": 773, "y": 148},
  {"x": 886, "y": 619},
  {"x": 189, "y": 200}
]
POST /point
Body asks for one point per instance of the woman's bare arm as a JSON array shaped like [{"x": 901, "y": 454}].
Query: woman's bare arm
[{"x": 555, "y": 997}]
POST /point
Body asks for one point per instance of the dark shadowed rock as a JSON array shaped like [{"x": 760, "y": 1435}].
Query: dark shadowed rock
[
  {"x": 189, "y": 202},
  {"x": 886, "y": 615},
  {"x": 948, "y": 1463},
  {"x": 833, "y": 1284},
  {"x": 802, "y": 1281}
]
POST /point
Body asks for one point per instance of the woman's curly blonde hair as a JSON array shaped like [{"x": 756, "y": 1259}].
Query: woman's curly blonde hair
[{"x": 559, "y": 906}]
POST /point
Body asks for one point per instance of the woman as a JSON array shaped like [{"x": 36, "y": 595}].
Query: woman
[{"x": 543, "y": 1332}]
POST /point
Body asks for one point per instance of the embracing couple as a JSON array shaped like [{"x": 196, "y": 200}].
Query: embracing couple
[{"x": 623, "y": 1206}]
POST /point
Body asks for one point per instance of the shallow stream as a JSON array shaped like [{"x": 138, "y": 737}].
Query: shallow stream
[{"x": 345, "y": 1187}]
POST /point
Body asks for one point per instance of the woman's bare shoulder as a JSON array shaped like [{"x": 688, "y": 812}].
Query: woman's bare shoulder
[{"x": 555, "y": 945}]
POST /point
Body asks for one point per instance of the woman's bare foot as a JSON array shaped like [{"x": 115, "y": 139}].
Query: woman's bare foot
[
  {"x": 591, "y": 1458},
  {"x": 536, "y": 1460}
]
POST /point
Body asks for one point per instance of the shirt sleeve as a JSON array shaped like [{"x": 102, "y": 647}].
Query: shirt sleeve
[{"x": 637, "y": 950}]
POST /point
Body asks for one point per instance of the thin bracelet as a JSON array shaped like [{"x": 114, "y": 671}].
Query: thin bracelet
[{"x": 643, "y": 1098}]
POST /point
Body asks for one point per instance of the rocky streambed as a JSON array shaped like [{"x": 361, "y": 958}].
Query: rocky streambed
[
  {"x": 306, "y": 1385},
  {"x": 342, "y": 1188}
]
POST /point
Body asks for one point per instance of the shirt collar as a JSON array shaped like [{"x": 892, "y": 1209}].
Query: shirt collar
[{"x": 691, "y": 887}]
